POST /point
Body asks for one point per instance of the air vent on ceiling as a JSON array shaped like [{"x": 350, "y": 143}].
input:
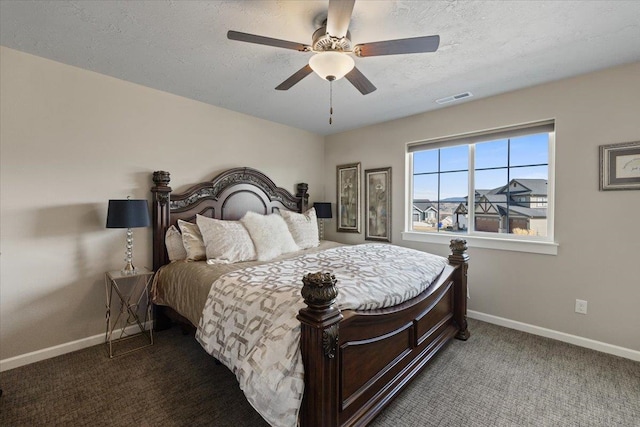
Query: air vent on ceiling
[{"x": 454, "y": 97}]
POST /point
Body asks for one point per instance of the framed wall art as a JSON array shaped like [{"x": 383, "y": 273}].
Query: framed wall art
[
  {"x": 348, "y": 194},
  {"x": 377, "y": 204},
  {"x": 620, "y": 166}
]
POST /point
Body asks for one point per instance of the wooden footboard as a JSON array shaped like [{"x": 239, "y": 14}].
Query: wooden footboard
[{"x": 357, "y": 361}]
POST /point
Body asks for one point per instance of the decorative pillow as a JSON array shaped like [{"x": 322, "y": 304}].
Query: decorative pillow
[
  {"x": 173, "y": 243},
  {"x": 192, "y": 241},
  {"x": 225, "y": 241},
  {"x": 270, "y": 235},
  {"x": 303, "y": 227}
]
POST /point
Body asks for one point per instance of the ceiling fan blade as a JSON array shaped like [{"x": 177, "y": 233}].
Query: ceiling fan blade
[
  {"x": 339, "y": 16},
  {"x": 252, "y": 38},
  {"x": 295, "y": 78},
  {"x": 360, "y": 81},
  {"x": 400, "y": 46}
]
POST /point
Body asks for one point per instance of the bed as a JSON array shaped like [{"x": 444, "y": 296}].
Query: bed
[{"x": 355, "y": 361}]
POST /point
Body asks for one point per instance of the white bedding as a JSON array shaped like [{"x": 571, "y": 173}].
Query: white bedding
[{"x": 249, "y": 320}]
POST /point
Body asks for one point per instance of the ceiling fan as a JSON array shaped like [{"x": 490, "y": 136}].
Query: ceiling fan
[{"x": 331, "y": 46}]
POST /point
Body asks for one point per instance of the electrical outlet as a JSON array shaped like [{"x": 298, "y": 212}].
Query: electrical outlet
[{"x": 581, "y": 306}]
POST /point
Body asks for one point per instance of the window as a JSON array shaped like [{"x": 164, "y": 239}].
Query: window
[{"x": 492, "y": 185}]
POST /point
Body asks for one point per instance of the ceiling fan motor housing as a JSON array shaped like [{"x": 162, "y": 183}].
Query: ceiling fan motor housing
[{"x": 322, "y": 41}]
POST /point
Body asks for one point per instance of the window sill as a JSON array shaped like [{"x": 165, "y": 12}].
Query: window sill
[{"x": 535, "y": 247}]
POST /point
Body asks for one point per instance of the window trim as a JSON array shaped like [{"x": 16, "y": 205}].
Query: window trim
[
  {"x": 474, "y": 241},
  {"x": 546, "y": 245}
]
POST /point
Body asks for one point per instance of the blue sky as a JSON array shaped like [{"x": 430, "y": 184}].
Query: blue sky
[{"x": 525, "y": 150}]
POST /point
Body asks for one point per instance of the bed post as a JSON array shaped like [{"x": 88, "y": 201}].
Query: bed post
[
  {"x": 161, "y": 192},
  {"x": 318, "y": 345},
  {"x": 160, "y": 203},
  {"x": 460, "y": 258},
  {"x": 302, "y": 194}
]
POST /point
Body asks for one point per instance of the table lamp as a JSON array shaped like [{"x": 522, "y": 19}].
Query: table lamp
[
  {"x": 323, "y": 211},
  {"x": 128, "y": 214}
]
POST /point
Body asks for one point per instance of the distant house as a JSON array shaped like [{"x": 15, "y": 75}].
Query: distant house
[
  {"x": 460, "y": 217},
  {"x": 424, "y": 211},
  {"x": 447, "y": 221},
  {"x": 518, "y": 207}
]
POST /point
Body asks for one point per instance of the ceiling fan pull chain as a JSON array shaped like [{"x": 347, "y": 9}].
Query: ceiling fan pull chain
[{"x": 330, "y": 101}]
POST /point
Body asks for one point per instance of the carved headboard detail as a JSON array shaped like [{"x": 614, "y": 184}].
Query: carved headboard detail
[{"x": 227, "y": 196}]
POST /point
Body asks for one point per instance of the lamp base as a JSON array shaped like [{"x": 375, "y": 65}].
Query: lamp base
[
  {"x": 129, "y": 268},
  {"x": 321, "y": 229}
]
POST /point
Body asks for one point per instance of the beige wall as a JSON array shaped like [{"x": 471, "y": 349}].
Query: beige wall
[
  {"x": 73, "y": 139},
  {"x": 599, "y": 252}
]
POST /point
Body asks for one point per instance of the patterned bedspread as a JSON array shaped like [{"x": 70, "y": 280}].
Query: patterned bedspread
[{"x": 249, "y": 320}]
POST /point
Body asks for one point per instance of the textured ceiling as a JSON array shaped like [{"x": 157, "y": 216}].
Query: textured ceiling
[{"x": 487, "y": 47}]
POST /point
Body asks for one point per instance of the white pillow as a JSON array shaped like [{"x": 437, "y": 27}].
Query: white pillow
[
  {"x": 225, "y": 241},
  {"x": 173, "y": 243},
  {"x": 192, "y": 241},
  {"x": 303, "y": 227},
  {"x": 270, "y": 235}
]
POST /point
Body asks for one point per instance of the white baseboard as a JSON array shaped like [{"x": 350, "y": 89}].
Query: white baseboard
[
  {"x": 627, "y": 353},
  {"x": 47, "y": 353},
  {"x": 58, "y": 350}
]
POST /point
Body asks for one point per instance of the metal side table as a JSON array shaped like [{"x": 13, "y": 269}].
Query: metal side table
[{"x": 124, "y": 311}]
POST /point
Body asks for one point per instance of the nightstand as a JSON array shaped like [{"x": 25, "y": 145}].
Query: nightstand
[{"x": 127, "y": 299}]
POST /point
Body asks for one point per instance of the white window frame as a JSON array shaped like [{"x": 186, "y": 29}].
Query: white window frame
[{"x": 540, "y": 245}]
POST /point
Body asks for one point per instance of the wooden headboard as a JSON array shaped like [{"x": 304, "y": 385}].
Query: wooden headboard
[{"x": 227, "y": 196}]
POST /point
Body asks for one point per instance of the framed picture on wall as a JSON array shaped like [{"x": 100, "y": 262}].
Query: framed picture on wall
[
  {"x": 348, "y": 194},
  {"x": 377, "y": 206},
  {"x": 620, "y": 166}
]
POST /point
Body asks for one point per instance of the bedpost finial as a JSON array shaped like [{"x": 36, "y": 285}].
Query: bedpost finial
[
  {"x": 319, "y": 289},
  {"x": 459, "y": 253},
  {"x": 161, "y": 178},
  {"x": 458, "y": 246},
  {"x": 303, "y": 187},
  {"x": 303, "y": 196}
]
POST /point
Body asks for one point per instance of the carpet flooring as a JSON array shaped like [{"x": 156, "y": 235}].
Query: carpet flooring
[{"x": 499, "y": 377}]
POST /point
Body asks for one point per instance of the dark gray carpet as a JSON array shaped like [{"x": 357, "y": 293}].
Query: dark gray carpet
[{"x": 499, "y": 377}]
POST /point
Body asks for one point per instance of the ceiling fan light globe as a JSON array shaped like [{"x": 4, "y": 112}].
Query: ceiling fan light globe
[{"x": 331, "y": 64}]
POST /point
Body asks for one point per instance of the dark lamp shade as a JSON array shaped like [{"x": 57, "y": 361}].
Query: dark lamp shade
[
  {"x": 323, "y": 210},
  {"x": 128, "y": 214}
]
